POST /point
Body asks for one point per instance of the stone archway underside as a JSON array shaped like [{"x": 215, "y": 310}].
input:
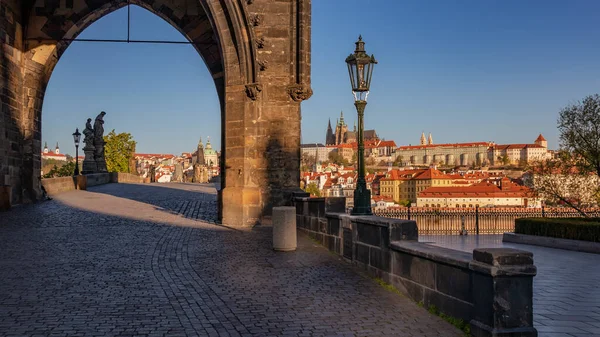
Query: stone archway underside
[{"x": 257, "y": 51}]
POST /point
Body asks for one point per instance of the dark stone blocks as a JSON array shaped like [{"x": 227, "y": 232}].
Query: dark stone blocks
[
  {"x": 380, "y": 259},
  {"x": 333, "y": 226},
  {"x": 453, "y": 281},
  {"x": 414, "y": 268},
  {"x": 348, "y": 243},
  {"x": 492, "y": 289},
  {"x": 362, "y": 253},
  {"x": 503, "y": 256},
  {"x": 369, "y": 234}
]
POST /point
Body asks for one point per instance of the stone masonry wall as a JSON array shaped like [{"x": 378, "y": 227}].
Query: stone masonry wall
[
  {"x": 11, "y": 89},
  {"x": 257, "y": 51},
  {"x": 492, "y": 288}
]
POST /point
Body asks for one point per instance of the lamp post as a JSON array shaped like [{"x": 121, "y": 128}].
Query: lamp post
[
  {"x": 76, "y": 138},
  {"x": 360, "y": 69}
]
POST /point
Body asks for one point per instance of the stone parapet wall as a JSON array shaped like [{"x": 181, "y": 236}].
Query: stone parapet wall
[
  {"x": 491, "y": 288},
  {"x": 119, "y": 177},
  {"x": 82, "y": 182},
  {"x": 97, "y": 179},
  {"x": 59, "y": 185}
]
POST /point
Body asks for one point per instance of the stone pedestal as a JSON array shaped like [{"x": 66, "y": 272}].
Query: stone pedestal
[
  {"x": 284, "y": 228},
  {"x": 81, "y": 182},
  {"x": 4, "y": 197},
  {"x": 503, "y": 300},
  {"x": 99, "y": 156},
  {"x": 89, "y": 164},
  {"x": 200, "y": 174}
]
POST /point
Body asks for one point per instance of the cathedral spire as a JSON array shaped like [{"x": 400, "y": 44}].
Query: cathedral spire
[
  {"x": 342, "y": 118},
  {"x": 329, "y": 137},
  {"x": 423, "y": 139},
  {"x": 200, "y": 145},
  {"x": 430, "y": 140}
]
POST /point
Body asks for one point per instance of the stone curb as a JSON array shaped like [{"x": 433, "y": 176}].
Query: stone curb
[{"x": 544, "y": 241}]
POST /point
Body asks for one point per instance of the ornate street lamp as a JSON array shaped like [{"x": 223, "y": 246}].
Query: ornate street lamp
[
  {"x": 360, "y": 68},
  {"x": 76, "y": 138}
]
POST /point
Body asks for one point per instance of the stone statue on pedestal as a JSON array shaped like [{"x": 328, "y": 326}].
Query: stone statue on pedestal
[
  {"x": 178, "y": 174},
  {"x": 89, "y": 164},
  {"x": 99, "y": 143}
]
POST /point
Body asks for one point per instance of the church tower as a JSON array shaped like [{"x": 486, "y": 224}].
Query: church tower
[
  {"x": 329, "y": 137},
  {"x": 57, "y": 150},
  {"x": 423, "y": 139},
  {"x": 430, "y": 140},
  {"x": 340, "y": 130},
  {"x": 45, "y": 147},
  {"x": 200, "y": 153}
]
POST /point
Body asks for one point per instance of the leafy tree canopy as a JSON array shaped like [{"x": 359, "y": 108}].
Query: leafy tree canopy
[
  {"x": 579, "y": 127},
  {"x": 118, "y": 151}
]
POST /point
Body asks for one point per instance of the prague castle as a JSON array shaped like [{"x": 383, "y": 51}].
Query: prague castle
[
  {"x": 477, "y": 153},
  {"x": 343, "y": 136}
]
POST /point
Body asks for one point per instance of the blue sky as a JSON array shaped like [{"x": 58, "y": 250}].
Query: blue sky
[{"x": 464, "y": 71}]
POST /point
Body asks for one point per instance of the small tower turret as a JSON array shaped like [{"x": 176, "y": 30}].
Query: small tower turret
[
  {"x": 423, "y": 139},
  {"x": 45, "y": 147},
  {"x": 541, "y": 141},
  {"x": 57, "y": 150},
  {"x": 430, "y": 140}
]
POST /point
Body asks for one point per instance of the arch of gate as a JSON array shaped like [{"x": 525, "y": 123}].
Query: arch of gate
[{"x": 257, "y": 52}]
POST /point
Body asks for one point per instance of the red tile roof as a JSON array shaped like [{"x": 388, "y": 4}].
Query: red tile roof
[
  {"x": 432, "y": 173},
  {"x": 540, "y": 138},
  {"x": 475, "y": 191}
]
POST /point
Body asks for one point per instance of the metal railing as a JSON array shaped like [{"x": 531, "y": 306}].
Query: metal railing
[{"x": 476, "y": 220}]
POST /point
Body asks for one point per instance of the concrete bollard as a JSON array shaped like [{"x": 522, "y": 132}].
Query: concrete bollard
[{"x": 284, "y": 228}]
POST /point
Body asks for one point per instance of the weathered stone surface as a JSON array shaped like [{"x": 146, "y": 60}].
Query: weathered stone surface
[
  {"x": 261, "y": 116},
  {"x": 284, "y": 228},
  {"x": 135, "y": 260},
  {"x": 503, "y": 256},
  {"x": 4, "y": 197}
]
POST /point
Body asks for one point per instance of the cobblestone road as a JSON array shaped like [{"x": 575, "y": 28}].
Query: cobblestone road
[
  {"x": 566, "y": 289},
  {"x": 124, "y": 260}
]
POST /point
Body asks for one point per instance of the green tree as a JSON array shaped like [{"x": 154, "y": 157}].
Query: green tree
[
  {"x": 505, "y": 159},
  {"x": 313, "y": 190},
  {"x": 579, "y": 127},
  {"x": 398, "y": 161},
  {"x": 403, "y": 202},
  {"x": 66, "y": 170},
  {"x": 118, "y": 151},
  {"x": 559, "y": 181},
  {"x": 337, "y": 159}
]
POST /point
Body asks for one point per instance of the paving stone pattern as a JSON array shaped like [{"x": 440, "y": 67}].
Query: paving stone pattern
[
  {"x": 124, "y": 260},
  {"x": 566, "y": 289}
]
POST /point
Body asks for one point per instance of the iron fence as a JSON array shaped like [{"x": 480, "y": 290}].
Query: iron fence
[{"x": 477, "y": 220}]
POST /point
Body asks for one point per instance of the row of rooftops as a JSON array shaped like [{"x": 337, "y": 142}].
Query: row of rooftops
[
  {"x": 390, "y": 143},
  {"x": 479, "y": 184}
]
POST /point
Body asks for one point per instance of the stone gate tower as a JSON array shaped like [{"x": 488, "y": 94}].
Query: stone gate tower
[{"x": 257, "y": 52}]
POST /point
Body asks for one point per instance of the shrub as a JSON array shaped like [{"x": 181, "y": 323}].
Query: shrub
[{"x": 586, "y": 229}]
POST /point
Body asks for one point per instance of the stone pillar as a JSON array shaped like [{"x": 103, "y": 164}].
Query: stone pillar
[
  {"x": 503, "y": 296},
  {"x": 99, "y": 155},
  {"x": 89, "y": 164},
  {"x": 284, "y": 228},
  {"x": 4, "y": 197}
]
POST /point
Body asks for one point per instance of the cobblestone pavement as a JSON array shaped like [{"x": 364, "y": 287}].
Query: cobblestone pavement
[
  {"x": 566, "y": 289},
  {"x": 124, "y": 260}
]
